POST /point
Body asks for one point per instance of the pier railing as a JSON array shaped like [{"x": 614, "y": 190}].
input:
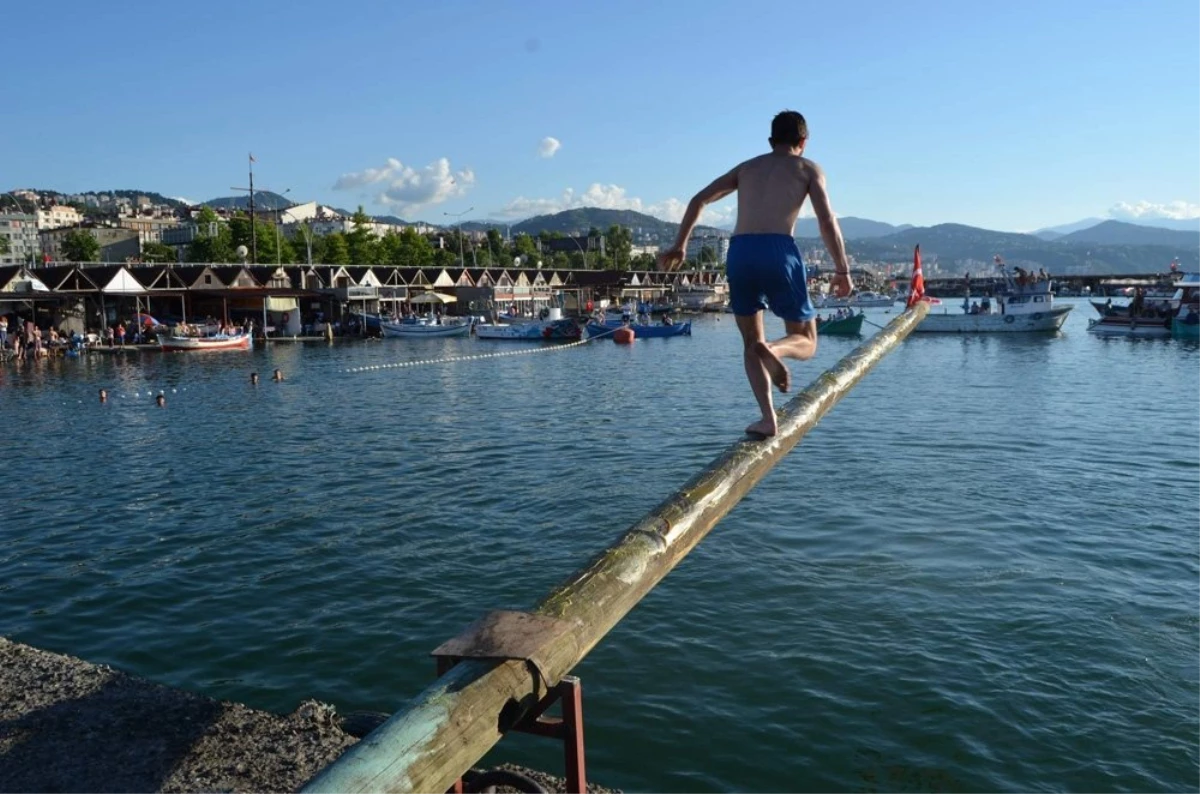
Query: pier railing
[{"x": 449, "y": 726}]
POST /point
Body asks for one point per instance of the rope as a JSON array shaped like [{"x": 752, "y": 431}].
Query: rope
[{"x": 478, "y": 356}]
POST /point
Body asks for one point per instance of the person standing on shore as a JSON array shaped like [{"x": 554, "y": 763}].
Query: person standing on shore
[{"x": 764, "y": 266}]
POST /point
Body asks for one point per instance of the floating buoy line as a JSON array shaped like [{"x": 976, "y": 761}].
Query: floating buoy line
[{"x": 475, "y": 357}]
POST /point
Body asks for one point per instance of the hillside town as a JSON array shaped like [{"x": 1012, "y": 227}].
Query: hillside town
[{"x": 41, "y": 228}]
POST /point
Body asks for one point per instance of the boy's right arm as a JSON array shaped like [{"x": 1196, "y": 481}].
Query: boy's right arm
[
  {"x": 718, "y": 189},
  {"x": 831, "y": 233}
]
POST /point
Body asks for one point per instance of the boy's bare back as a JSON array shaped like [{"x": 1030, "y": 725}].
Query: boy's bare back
[{"x": 771, "y": 190}]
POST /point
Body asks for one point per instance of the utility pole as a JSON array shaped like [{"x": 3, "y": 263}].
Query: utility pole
[{"x": 253, "y": 231}]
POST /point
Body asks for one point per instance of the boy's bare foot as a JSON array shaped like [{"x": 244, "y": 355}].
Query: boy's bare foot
[
  {"x": 764, "y": 428},
  {"x": 780, "y": 375}
]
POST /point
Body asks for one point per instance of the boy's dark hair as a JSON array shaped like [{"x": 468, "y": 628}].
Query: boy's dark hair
[{"x": 788, "y": 129}]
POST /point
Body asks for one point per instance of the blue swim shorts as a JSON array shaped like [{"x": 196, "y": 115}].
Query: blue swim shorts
[{"x": 767, "y": 270}]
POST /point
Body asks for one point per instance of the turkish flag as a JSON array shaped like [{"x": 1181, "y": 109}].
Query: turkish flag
[{"x": 917, "y": 290}]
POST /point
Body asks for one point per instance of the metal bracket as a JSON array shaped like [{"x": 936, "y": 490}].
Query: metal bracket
[{"x": 504, "y": 634}]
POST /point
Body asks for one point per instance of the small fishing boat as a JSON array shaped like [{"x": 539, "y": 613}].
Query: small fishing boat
[
  {"x": 1018, "y": 308},
  {"x": 841, "y": 326},
  {"x": 561, "y": 330},
  {"x": 642, "y": 330},
  {"x": 423, "y": 327},
  {"x": 1147, "y": 316},
  {"x": 215, "y": 342}
]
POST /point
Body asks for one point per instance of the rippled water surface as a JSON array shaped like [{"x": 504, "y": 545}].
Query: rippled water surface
[{"x": 978, "y": 573}]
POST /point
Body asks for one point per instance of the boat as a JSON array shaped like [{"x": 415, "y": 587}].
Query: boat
[
  {"x": 830, "y": 302},
  {"x": 215, "y": 342},
  {"x": 869, "y": 300},
  {"x": 1186, "y": 322},
  {"x": 372, "y": 321},
  {"x": 1147, "y": 316},
  {"x": 1015, "y": 308},
  {"x": 641, "y": 330},
  {"x": 841, "y": 326},
  {"x": 424, "y": 327},
  {"x": 551, "y": 330}
]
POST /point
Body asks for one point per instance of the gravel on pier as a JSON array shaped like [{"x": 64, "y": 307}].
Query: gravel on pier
[{"x": 67, "y": 725}]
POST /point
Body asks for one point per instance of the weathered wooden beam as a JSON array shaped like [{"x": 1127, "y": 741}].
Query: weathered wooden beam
[{"x": 451, "y": 724}]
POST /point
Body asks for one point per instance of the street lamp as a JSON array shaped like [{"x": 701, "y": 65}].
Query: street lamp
[
  {"x": 458, "y": 221},
  {"x": 582, "y": 250},
  {"x": 278, "y": 258}
]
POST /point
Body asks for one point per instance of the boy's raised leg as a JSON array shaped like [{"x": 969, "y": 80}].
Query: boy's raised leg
[{"x": 800, "y": 342}]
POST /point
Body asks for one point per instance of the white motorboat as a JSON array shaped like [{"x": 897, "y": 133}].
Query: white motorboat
[
  {"x": 550, "y": 326},
  {"x": 869, "y": 300}
]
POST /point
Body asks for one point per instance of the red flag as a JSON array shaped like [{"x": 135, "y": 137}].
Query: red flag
[{"x": 916, "y": 291}]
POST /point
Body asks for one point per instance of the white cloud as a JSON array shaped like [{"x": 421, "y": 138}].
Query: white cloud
[
  {"x": 1180, "y": 210},
  {"x": 406, "y": 188},
  {"x": 548, "y": 147},
  {"x": 611, "y": 197}
]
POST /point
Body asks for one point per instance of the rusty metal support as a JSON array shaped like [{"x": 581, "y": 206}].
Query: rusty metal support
[{"x": 452, "y": 723}]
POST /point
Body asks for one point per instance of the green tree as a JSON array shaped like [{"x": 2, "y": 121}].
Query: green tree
[
  {"x": 496, "y": 246},
  {"x": 4, "y": 247},
  {"x": 707, "y": 254},
  {"x": 158, "y": 252},
  {"x": 523, "y": 245},
  {"x": 213, "y": 242},
  {"x": 364, "y": 249},
  {"x": 644, "y": 262},
  {"x": 560, "y": 260},
  {"x": 80, "y": 246},
  {"x": 335, "y": 251},
  {"x": 619, "y": 244},
  {"x": 444, "y": 257}
]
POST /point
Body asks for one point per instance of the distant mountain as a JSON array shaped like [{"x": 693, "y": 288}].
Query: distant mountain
[
  {"x": 852, "y": 228},
  {"x": 1121, "y": 233},
  {"x": 1178, "y": 224},
  {"x": 1067, "y": 228},
  {"x": 263, "y": 199},
  {"x": 1046, "y": 234},
  {"x": 958, "y": 248},
  {"x": 584, "y": 218}
]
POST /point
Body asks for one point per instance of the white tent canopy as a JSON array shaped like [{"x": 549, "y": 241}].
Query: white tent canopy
[{"x": 433, "y": 297}]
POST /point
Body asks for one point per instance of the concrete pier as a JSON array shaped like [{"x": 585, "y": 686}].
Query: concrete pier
[{"x": 67, "y": 725}]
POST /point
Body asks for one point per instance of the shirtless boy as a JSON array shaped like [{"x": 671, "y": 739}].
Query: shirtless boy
[{"x": 764, "y": 267}]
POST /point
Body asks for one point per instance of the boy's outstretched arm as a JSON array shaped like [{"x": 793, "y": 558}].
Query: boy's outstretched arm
[
  {"x": 831, "y": 233},
  {"x": 718, "y": 189}
]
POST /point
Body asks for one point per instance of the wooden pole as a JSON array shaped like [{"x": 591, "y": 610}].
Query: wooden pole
[{"x": 451, "y": 724}]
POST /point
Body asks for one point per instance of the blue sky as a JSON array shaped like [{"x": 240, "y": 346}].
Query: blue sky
[{"x": 1012, "y": 115}]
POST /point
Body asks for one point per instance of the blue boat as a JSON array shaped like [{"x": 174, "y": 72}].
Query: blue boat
[{"x": 640, "y": 331}]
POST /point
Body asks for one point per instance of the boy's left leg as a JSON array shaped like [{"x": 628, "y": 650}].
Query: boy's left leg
[{"x": 751, "y": 328}]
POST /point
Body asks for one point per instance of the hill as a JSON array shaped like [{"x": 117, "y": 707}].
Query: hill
[
  {"x": 132, "y": 195},
  {"x": 263, "y": 199},
  {"x": 1120, "y": 233},
  {"x": 852, "y": 228},
  {"x": 584, "y": 218}
]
